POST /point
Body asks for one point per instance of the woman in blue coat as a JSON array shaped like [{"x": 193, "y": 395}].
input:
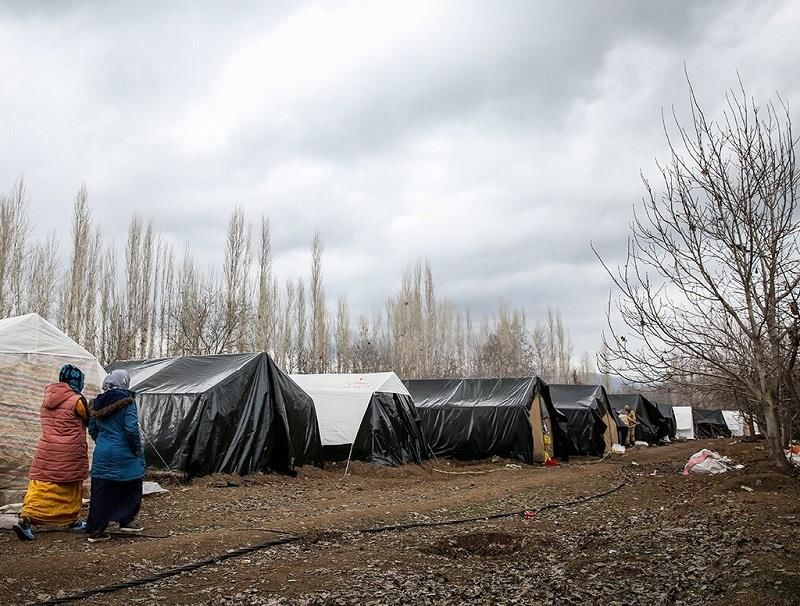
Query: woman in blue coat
[{"x": 118, "y": 461}]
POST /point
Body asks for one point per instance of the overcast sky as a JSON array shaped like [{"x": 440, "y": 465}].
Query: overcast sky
[{"x": 495, "y": 138}]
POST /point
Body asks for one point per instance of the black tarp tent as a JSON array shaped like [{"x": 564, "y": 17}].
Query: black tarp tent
[
  {"x": 709, "y": 424},
  {"x": 231, "y": 413},
  {"x": 652, "y": 426},
  {"x": 592, "y": 426},
  {"x": 479, "y": 418},
  {"x": 668, "y": 414},
  {"x": 367, "y": 417}
]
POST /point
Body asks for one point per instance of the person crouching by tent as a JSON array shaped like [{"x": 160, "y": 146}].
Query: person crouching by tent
[
  {"x": 118, "y": 461},
  {"x": 61, "y": 460}
]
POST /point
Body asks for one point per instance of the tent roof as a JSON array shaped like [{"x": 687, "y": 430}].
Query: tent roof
[
  {"x": 31, "y": 333},
  {"x": 576, "y": 395},
  {"x": 182, "y": 375},
  {"x": 342, "y": 399},
  {"x": 470, "y": 393}
]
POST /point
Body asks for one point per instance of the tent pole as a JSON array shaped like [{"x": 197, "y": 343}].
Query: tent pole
[{"x": 349, "y": 456}]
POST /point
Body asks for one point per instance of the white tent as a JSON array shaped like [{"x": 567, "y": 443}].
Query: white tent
[
  {"x": 684, "y": 422},
  {"x": 369, "y": 417},
  {"x": 342, "y": 400},
  {"x": 735, "y": 422},
  {"x": 31, "y": 353}
]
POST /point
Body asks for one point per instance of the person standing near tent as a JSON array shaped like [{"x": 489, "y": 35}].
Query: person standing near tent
[
  {"x": 61, "y": 461},
  {"x": 629, "y": 418},
  {"x": 118, "y": 461}
]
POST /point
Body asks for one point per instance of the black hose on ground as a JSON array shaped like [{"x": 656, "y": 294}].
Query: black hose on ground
[
  {"x": 165, "y": 574},
  {"x": 191, "y": 566}
]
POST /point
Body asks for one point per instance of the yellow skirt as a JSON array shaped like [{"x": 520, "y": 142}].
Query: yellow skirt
[{"x": 52, "y": 503}]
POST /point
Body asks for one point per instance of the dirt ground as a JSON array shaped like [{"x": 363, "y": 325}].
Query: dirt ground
[{"x": 661, "y": 538}]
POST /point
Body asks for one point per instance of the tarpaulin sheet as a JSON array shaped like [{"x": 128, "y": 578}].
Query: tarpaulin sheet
[
  {"x": 236, "y": 413},
  {"x": 586, "y": 408},
  {"x": 368, "y": 417},
  {"x": 710, "y": 424},
  {"x": 390, "y": 432},
  {"x": 480, "y": 418},
  {"x": 652, "y": 426},
  {"x": 684, "y": 422},
  {"x": 341, "y": 400},
  {"x": 669, "y": 415}
]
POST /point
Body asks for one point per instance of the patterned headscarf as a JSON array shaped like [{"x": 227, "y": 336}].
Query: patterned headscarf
[
  {"x": 117, "y": 379},
  {"x": 72, "y": 376}
]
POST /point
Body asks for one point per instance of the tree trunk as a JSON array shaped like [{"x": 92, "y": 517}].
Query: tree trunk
[{"x": 773, "y": 432}]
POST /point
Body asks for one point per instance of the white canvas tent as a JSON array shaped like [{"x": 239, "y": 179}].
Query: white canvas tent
[
  {"x": 684, "y": 422},
  {"x": 31, "y": 353},
  {"x": 371, "y": 413},
  {"x": 735, "y": 422}
]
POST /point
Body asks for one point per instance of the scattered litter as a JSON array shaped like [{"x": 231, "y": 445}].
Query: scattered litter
[
  {"x": 513, "y": 466},
  {"x": 641, "y": 443},
  {"x": 709, "y": 462},
  {"x": 617, "y": 449},
  {"x": 11, "y": 508},
  {"x": 793, "y": 454},
  {"x": 655, "y": 473},
  {"x": 746, "y": 488},
  {"x": 529, "y": 515},
  {"x": 635, "y": 464},
  {"x": 152, "y": 488}
]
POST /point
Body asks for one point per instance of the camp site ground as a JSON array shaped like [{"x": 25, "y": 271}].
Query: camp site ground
[{"x": 661, "y": 538}]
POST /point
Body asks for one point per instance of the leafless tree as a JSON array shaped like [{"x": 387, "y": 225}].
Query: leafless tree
[
  {"x": 343, "y": 337},
  {"x": 301, "y": 346},
  {"x": 14, "y": 234},
  {"x": 43, "y": 274},
  {"x": 266, "y": 316},
  {"x": 288, "y": 356},
  {"x": 320, "y": 346},
  {"x": 236, "y": 287},
  {"x": 75, "y": 281},
  {"x": 707, "y": 294}
]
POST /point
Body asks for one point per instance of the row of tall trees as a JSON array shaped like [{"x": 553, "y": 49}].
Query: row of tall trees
[{"x": 139, "y": 299}]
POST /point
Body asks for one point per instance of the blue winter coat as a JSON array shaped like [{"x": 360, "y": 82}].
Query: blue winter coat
[{"x": 114, "y": 426}]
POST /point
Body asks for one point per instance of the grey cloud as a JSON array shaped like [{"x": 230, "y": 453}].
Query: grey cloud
[{"x": 497, "y": 140}]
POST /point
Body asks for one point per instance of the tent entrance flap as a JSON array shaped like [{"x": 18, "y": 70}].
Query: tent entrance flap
[{"x": 537, "y": 431}]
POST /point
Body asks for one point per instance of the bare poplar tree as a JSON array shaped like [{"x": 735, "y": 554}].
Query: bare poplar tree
[
  {"x": 15, "y": 226},
  {"x": 343, "y": 337},
  {"x": 320, "y": 348},
  {"x": 166, "y": 318},
  {"x": 145, "y": 289},
  {"x": 288, "y": 355},
  {"x": 75, "y": 280},
  {"x": 266, "y": 309},
  {"x": 707, "y": 294},
  {"x": 301, "y": 348},
  {"x": 236, "y": 283},
  {"x": 43, "y": 273},
  {"x": 110, "y": 313}
]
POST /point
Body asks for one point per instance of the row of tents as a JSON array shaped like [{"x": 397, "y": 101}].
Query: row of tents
[{"x": 240, "y": 413}]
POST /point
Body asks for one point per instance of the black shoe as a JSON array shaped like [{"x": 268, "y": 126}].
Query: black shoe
[
  {"x": 98, "y": 537},
  {"x": 131, "y": 526}
]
